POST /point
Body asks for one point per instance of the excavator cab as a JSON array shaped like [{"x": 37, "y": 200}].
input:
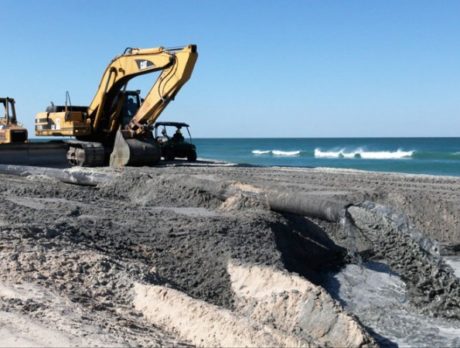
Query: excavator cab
[
  {"x": 10, "y": 130},
  {"x": 132, "y": 103}
]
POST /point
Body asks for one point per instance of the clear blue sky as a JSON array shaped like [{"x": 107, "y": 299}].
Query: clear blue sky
[{"x": 265, "y": 68}]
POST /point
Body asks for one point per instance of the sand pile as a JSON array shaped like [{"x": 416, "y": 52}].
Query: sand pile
[
  {"x": 144, "y": 257},
  {"x": 272, "y": 308},
  {"x": 113, "y": 254}
]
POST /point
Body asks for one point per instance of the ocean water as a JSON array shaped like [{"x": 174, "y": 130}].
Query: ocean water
[{"x": 434, "y": 156}]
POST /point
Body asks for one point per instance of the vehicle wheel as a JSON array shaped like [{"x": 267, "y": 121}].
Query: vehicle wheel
[{"x": 191, "y": 157}]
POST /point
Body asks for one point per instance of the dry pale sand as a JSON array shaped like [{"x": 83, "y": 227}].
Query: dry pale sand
[{"x": 144, "y": 260}]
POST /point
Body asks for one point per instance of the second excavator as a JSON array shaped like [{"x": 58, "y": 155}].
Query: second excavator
[{"x": 116, "y": 128}]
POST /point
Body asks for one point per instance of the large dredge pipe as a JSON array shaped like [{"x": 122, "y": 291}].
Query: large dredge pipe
[
  {"x": 301, "y": 204},
  {"x": 283, "y": 202}
]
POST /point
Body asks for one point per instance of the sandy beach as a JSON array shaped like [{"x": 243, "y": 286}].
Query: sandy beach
[{"x": 144, "y": 257}]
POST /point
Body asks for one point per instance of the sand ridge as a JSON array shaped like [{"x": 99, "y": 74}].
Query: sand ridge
[{"x": 95, "y": 247}]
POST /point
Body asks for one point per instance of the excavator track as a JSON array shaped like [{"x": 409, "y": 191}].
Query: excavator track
[
  {"x": 54, "y": 154},
  {"x": 86, "y": 154}
]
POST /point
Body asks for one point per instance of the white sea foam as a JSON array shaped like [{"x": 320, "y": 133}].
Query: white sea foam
[
  {"x": 261, "y": 152},
  {"x": 361, "y": 153},
  {"x": 278, "y": 153},
  {"x": 285, "y": 153},
  {"x": 334, "y": 154}
]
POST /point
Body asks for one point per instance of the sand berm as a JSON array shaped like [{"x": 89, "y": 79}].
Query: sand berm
[{"x": 142, "y": 259}]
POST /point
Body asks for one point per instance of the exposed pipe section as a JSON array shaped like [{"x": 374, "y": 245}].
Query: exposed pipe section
[
  {"x": 301, "y": 204},
  {"x": 283, "y": 202}
]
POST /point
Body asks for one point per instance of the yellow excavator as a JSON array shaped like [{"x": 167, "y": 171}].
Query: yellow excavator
[
  {"x": 116, "y": 128},
  {"x": 10, "y": 131}
]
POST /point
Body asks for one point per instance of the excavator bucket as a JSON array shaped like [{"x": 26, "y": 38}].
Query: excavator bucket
[{"x": 134, "y": 152}]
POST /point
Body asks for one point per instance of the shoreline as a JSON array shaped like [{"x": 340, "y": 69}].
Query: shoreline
[{"x": 362, "y": 171}]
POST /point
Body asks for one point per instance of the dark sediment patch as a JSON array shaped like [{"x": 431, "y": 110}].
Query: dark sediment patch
[
  {"x": 306, "y": 248},
  {"x": 432, "y": 284}
]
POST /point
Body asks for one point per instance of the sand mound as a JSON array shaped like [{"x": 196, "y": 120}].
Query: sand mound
[
  {"x": 273, "y": 308},
  {"x": 90, "y": 245},
  {"x": 294, "y": 305},
  {"x": 148, "y": 249},
  {"x": 204, "y": 324}
]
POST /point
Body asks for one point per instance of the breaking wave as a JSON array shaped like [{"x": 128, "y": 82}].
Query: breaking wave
[
  {"x": 285, "y": 153},
  {"x": 359, "y": 153},
  {"x": 261, "y": 152},
  {"x": 278, "y": 153},
  {"x": 364, "y": 154}
]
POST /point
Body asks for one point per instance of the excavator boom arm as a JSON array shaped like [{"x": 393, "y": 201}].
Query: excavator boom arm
[
  {"x": 165, "y": 89},
  {"x": 176, "y": 66},
  {"x": 134, "y": 144}
]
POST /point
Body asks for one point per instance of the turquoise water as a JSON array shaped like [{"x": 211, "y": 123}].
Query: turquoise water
[{"x": 436, "y": 156}]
